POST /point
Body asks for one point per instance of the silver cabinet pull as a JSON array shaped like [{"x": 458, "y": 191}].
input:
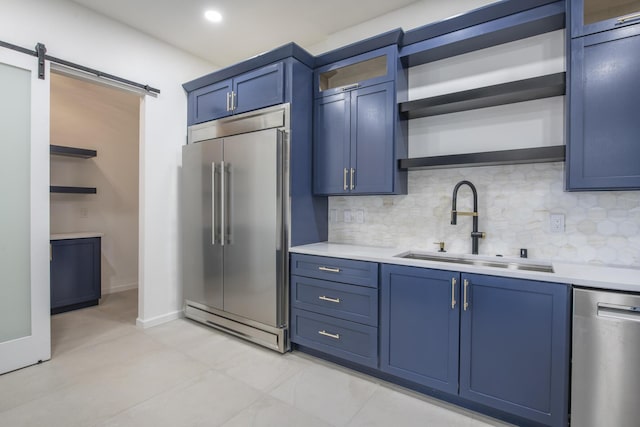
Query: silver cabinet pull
[
  {"x": 466, "y": 303},
  {"x": 329, "y": 269},
  {"x": 327, "y": 334},
  {"x": 349, "y": 87},
  {"x": 453, "y": 293},
  {"x": 344, "y": 179},
  {"x": 233, "y": 101},
  {"x": 324, "y": 298},
  {"x": 228, "y": 101},
  {"x": 626, "y": 18},
  {"x": 353, "y": 171}
]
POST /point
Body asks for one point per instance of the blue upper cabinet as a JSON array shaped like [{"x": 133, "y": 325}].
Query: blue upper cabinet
[
  {"x": 249, "y": 91},
  {"x": 332, "y": 126},
  {"x": 257, "y": 89},
  {"x": 594, "y": 16},
  {"x": 514, "y": 346},
  {"x": 604, "y": 100},
  {"x": 210, "y": 102},
  {"x": 419, "y": 321},
  {"x": 358, "y": 135}
]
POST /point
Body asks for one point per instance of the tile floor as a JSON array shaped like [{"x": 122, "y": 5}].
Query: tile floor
[{"x": 106, "y": 372}]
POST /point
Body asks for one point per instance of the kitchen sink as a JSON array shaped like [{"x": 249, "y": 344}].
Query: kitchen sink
[{"x": 499, "y": 263}]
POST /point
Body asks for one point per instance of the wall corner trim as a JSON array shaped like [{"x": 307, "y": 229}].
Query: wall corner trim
[{"x": 159, "y": 320}]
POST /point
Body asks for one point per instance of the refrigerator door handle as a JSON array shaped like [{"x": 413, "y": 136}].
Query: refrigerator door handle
[
  {"x": 279, "y": 189},
  {"x": 223, "y": 202},
  {"x": 213, "y": 204},
  {"x": 227, "y": 235}
]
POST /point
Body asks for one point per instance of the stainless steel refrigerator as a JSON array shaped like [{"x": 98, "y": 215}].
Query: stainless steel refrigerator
[{"x": 235, "y": 220}]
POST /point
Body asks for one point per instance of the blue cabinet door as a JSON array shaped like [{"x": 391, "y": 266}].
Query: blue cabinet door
[
  {"x": 354, "y": 147},
  {"x": 331, "y": 145},
  {"x": 604, "y": 100},
  {"x": 419, "y": 324},
  {"x": 372, "y": 142},
  {"x": 75, "y": 273},
  {"x": 514, "y": 346},
  {"x": 594, "y": 16},
  {"x": 259, "y": 88},
  {"x": 210, "y": 103}
]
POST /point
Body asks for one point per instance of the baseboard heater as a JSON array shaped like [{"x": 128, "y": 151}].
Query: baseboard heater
[{"x": 264, "y": 335}]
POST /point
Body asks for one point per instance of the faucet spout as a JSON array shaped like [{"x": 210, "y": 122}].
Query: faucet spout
[{"x": 475, "y": 234}]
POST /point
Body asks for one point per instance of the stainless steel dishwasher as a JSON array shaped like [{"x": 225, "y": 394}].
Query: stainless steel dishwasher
[{"x": 605, "y": 382}]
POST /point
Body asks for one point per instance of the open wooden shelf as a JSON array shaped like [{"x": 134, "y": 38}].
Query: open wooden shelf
[
  {"x": 488, "y": 96},
  {"x": 83, "y": 153},
  {"x": 554, "y": 153},
  {"x": 492, "y": 25},
  {"x": 72, "y": 190}
]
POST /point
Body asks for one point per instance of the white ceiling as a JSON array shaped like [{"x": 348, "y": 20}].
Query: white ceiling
[{"x": 249, "y": 27}]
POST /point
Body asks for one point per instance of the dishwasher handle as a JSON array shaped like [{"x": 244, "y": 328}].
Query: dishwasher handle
[{"x": 616, "y": 311}]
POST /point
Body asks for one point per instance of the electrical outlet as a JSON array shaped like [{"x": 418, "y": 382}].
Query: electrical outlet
[
  {"x": 556, "y": 223},
  {"x": 333, "y": 216},
  {"x": 360, "y": 216},
  {"x": 347, "y": 215}
]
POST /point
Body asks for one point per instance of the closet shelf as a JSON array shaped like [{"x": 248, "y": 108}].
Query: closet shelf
[
  {"x": 83, "y": 153},
  {"x": 488, "y": 96},
  {"x": 72, "y": 190},
  {"x": 555, "y": 153}
]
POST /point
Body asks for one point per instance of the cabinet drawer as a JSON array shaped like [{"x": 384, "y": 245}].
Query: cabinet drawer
[
  {"x": 347, "y": 340},
  {"x": 361, "y": 273},
  {"x": 349, "y": 302}
]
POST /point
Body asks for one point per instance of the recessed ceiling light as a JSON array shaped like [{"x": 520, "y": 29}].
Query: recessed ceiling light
[{"x": 213, "y": 15}]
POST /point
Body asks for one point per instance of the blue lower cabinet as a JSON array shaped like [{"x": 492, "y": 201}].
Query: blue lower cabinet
[
  {"x": 419, "y": 324},
  {"x": 341, "y": 338},
  {"x": 75, "y": 274},
  {"x": 514, "y": 346},
  {"x": 349, "y": 302}
]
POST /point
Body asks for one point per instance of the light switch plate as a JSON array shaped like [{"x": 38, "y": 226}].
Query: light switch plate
[
  {"x": 360, "y": 216},
  {"x": 347, "y": 215}
]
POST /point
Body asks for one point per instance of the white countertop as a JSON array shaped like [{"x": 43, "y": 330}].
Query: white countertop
[
  {"x": 79, "y": 235},
  {"x": 593, "y": 276}
]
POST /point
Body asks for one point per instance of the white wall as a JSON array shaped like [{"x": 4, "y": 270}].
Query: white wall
[
  {"x": 415, "y": 15},
  {"x": 76, "y": 34},
  {"x": 92, "y": 116}
]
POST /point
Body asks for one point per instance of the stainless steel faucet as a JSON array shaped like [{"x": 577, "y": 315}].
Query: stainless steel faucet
[{"x": 475, "y": 234}]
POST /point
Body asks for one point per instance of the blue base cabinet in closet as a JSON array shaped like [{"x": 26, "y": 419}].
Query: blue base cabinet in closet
[{"x": 75, "y": 273}]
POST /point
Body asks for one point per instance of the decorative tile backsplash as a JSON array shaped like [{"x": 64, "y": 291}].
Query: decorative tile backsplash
[{"x": 514, "y": 204}]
